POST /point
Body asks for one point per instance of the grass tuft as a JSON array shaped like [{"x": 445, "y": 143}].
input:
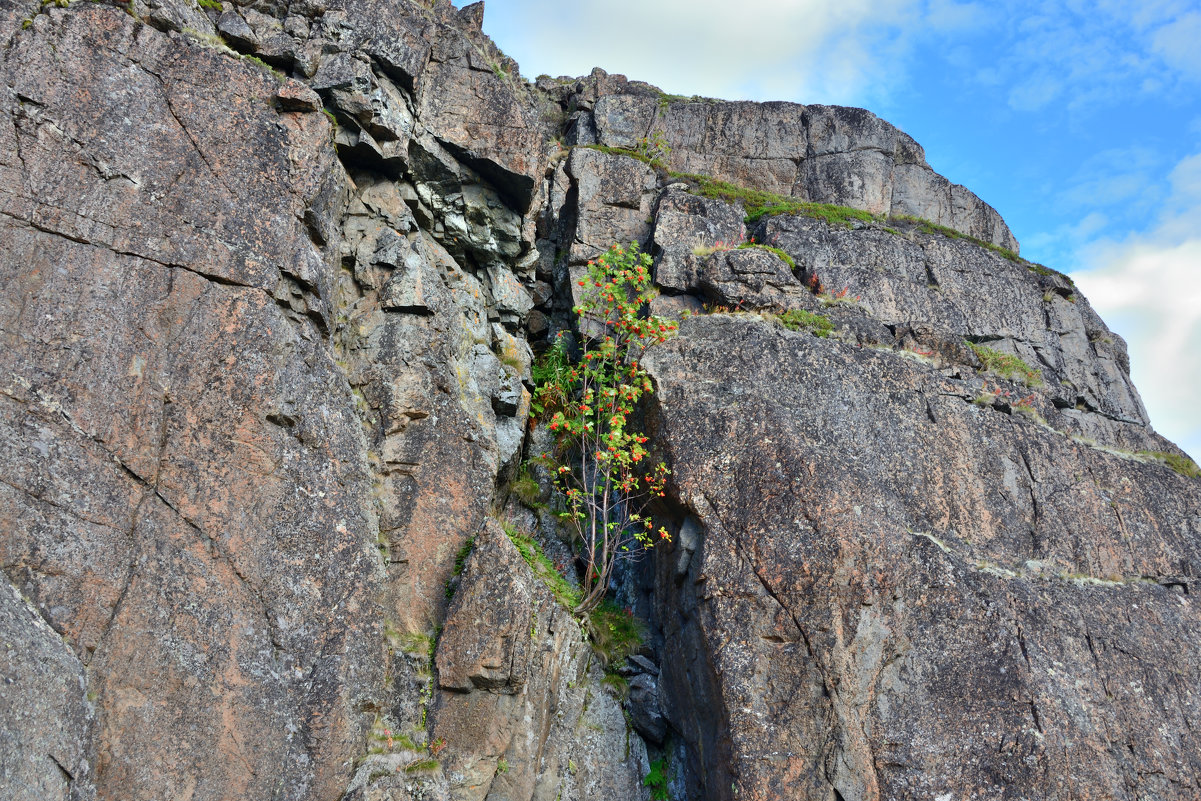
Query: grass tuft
[
  {"x": 527, "y": 490},
  {"x": 927, "y": 227},
  {"x": 783, "y": 256},
  {"x": 1181, "y": 464},
  {"x": 656, "y": 779},
  {"x": 1006, "y": 365},
  {"x": 758, "y": 204},
  {"x": 800, "y": 320},
  {"x": 461, "y": 556},
  {"x": 618, "y": 685},
  {"x": 616, "y": 632}
]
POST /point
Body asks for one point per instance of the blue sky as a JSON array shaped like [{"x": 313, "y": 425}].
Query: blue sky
[{"x": 1079, "y": 121}]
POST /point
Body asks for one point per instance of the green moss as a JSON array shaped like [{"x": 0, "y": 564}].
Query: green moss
[
  {"x": 783, "y": 256},
  {"x": 1006, "y": 365},
  {"x": 666, "y": 99},
  {"x": 621, "y": 151},
  {"x": 1030, "y": 413},
  {"x": 332, "y": 119},
  {"x": 215, "y": 5},
  {"x": 1181, "y": 464},
  {"x": 927, "y": 227},
  {"x": 544, "y": 569},
  {"x": 800, "y": 320},
  {"x": 842, "y": 216},
  {"x": 461, "y": 556},
  {"x": 460, "y": 559},
  {"x": 759, "y": 204},
  {"x": 755, "y": 202},
  {"x": 415, "y": 644},
  {"x": 1039, "y": 269}
]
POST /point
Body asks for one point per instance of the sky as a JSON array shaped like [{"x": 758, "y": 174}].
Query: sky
[{"x": 1080, "y": 122}]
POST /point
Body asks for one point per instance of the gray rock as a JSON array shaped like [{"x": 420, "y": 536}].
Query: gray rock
[
  {"x": 614, "y": 197},
  {"x": 645, "y": 714},
  {"x": 234, "y": 29},
  {"x": 886, "y": 566},
  {"x": 685, "y": 223},
  {"x": 752, "y": 278},
  {"x": 257, "y": 390},
  {"x": 522, "y": 707},
  {"x": 971, "y": 293},
  {"x": 824, "y": 154},
  {"x": 46, "y": 717},
  {"x": 643, "y": 664}
]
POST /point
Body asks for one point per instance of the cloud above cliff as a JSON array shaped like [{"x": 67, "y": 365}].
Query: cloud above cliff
[
  {"x": 805, "y": 50},
  {"x": 1149, "y": 285},
  {"x": 1066, "y": 53}
]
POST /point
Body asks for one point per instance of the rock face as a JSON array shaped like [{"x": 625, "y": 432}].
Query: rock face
[
  {"x": 275, "y": 277},
  {"x": 521, "y": 713},
  {"x": 824, "y": 154},
  {"x": 900, "y": 594}
]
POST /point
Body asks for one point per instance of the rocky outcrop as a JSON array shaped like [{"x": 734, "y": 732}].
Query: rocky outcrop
[
  {"x": 896, "y": 593},
  {"x": 190, "y": 436},
  {"x": 971, "y": 293},
  {"x": 823, "y": 154},
  {"x": 524, "y": 713},
  {"x": 277, "y": 273},
  {"x": 267, "y": 408}
]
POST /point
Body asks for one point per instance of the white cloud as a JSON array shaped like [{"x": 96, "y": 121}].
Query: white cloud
[
  {"x": 810, "y": 51},
  {"x": 1148, "y": 288},
  {"x": 1035, "y": 92},
  {"x": 1176, "y": 43},
  {"x": 1089, "y": 53}
]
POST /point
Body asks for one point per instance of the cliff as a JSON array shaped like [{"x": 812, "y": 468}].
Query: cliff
[{"x": 275, "y": 276}]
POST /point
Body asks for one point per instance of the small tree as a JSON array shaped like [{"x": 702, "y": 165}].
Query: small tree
[{"x": 605, "y": 478}]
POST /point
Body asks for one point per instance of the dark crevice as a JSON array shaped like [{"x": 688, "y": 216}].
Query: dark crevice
[{"x": 70, "y": 777}]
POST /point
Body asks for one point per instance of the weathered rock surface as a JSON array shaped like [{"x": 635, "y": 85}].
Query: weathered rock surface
[
  {"x": 251, "y": 410},
  {"x": 524, "y": 713},
  {"x": 900, "y": 594},
  {"x": 824, "y": 154},
  {"x": 264, "y": 373},
  {"x": 975, "y": 294},
  {"x": 45, "y": 717},
  {"x": 174, "y": 437}
]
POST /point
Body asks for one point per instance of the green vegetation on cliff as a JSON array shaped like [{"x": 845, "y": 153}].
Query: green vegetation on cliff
[{"x": 758, "y": 203}]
